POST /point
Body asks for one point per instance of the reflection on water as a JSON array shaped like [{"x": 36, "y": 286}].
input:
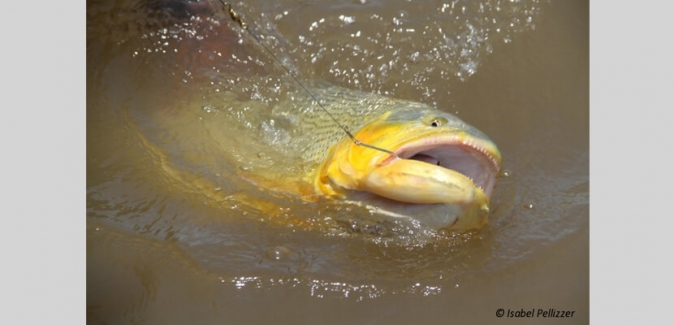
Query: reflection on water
[{"x": 178, "y": 113}]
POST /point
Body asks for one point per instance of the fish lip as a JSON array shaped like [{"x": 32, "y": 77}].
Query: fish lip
[{"x": 475, "y": 158}]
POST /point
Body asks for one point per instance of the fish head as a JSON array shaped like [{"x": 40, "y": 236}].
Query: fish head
[{"x": 429, "y": 157}]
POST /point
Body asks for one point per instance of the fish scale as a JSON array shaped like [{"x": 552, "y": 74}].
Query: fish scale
[{"x": 318, "y": 132}]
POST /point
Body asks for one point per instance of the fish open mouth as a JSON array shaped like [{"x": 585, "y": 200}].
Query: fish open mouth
[{"x": 468, "y": 157}]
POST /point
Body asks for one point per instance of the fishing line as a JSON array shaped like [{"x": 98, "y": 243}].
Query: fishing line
[{"x": 236, "y": 18}]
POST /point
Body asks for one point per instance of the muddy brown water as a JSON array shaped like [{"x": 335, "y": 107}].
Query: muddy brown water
[{"x": 172, "y": 95}]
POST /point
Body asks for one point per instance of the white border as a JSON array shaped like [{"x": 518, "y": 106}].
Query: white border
[
  {"x": 42, "y": 174},
  {"x": 631, "y": 239}
]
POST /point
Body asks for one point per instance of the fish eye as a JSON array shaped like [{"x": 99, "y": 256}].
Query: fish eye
[{"x": 434, "y": 121}]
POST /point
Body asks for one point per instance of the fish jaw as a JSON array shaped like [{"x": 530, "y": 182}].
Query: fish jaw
[
  {"x": 457, "y": 169},
  {"x": 453, "y": 156},
  {"x": 418, "y": 182}
]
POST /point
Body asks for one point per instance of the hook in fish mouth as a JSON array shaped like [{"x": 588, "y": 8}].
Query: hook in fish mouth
[{"x": 471, "y": 158}]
